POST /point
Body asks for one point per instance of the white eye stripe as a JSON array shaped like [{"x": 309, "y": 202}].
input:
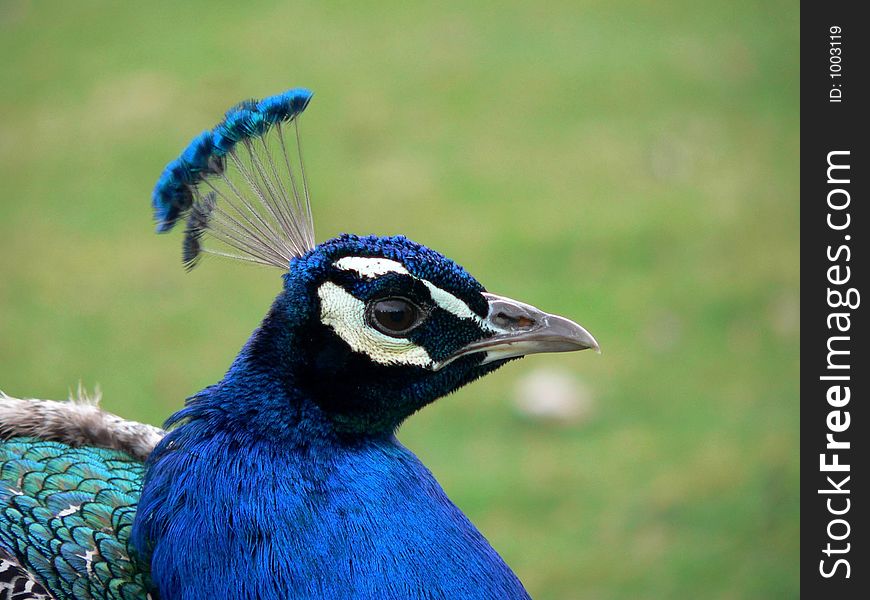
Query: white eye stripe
[
  {"x": 453, "y": 305},
  {"x": 373, "y": 267},
  {"x": 345, "y": 314},
  {"x": 370, "y": 267}
]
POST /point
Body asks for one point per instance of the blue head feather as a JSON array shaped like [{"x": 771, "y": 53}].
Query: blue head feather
[
  {"x": 288, "y": 470},
  {"x": 284, "y": 106},
  {"x": 234, "y": 128},
  {"x": 172, "y": 197},
  {"x": 197, "y": 156}
]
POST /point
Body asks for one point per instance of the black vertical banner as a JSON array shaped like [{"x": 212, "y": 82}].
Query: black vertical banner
[{"x": 835, "y": 223}]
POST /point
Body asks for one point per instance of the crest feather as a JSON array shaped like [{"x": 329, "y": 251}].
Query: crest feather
[{"x": 239, "y": 184}]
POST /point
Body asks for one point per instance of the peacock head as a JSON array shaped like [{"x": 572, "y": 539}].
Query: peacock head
[{"x": 371, "y": 329}]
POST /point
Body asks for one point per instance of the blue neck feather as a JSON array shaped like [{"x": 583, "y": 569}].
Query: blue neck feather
[
  {"x": 285, "y": 479},
  {"x": 257, "y": 493}
]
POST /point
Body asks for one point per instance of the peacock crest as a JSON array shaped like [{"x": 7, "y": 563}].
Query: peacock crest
[{"x": 243, "y": 184}]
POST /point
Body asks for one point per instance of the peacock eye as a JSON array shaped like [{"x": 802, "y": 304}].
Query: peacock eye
[{"x": 394, "y": 316}]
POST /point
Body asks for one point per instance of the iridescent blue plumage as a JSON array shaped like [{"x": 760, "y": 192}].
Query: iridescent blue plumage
[
  {"x": 67, "y": 511},
  {"x": 299, "y": 438},
  {"x": 285, "y": 479},
  {"x": 197, "y": 156},
  {"x": 173, "y": 194},
  {"x": 284, "y": 106}
]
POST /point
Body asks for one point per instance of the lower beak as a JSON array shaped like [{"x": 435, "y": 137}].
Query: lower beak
[{"x": 522, "y": 329}]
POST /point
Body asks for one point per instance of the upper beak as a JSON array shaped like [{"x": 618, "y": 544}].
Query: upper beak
[{"x": 522, "y": 329}]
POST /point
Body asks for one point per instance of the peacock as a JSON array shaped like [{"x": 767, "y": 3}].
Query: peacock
[{"x": 284, "y": 479}]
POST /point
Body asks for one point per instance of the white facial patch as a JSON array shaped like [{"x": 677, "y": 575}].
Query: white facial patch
[
  {"x": 346, "y": 315},
  {"x": 370, "y": 267}
]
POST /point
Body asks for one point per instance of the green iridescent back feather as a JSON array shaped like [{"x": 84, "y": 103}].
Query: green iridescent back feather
[{"x": 66, "y": 513}]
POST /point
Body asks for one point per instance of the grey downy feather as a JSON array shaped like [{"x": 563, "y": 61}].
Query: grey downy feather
[{"x": 77, "y": 422}]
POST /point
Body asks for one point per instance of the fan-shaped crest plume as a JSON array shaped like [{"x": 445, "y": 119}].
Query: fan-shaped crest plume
[{"x": 243, "y": 184}]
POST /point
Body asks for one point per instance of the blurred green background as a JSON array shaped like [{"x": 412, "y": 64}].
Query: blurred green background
[{"x": 632, "y": 165}]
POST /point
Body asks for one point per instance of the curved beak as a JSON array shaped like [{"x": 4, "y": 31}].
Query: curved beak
[{"x": 522, "y": 329}]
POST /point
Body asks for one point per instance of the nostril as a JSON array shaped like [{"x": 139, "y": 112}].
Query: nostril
[
  {"x": 506, "y": 321},
  {"x": 524, "y": 322}
]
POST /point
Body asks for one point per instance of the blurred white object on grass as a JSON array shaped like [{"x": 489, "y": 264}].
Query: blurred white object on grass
[{"x": 553, "y": 395}]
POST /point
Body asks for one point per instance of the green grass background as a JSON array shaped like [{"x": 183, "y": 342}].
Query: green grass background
[{"x": 632, "y": 165}]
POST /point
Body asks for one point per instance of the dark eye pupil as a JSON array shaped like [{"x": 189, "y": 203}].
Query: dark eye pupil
[{"x": 394, "y": 315}]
